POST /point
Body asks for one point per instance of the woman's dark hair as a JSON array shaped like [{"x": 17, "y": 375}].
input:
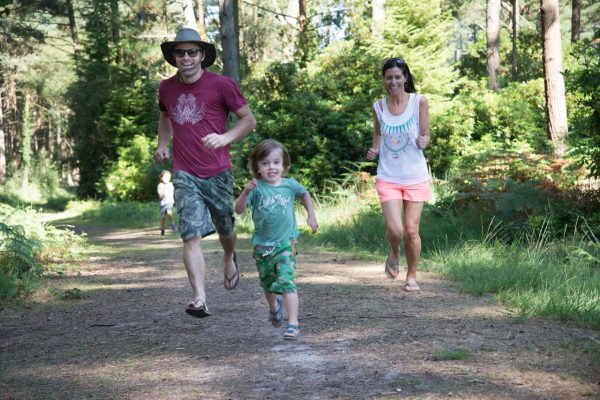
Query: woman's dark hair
[
  {"x": 263, "y": 149},
  {"x": 398, "y": 62}
]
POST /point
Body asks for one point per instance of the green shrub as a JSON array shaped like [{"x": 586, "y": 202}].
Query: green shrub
[
  {"x": 134, "y": 175},
  {"x": 584, "y": 81},
  {"x": 28, "y": 246}
]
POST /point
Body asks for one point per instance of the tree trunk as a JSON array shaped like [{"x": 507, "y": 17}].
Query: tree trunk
[
  {"x": 74, "y": 36},
  {"x": 576, "y": 20},
  {"x": 377, "y": 18},
  {"x": 228, "y": 18},
  {"x": 201, "y": 15},
  {"x": 516, "y": 16},
  {"x": 26, "y": 143},
  {"x": 165, "y": 16},
  {"x": 2, "y": 143},
  {"x": 13, "y": 134},
  {"x": 188, "y": 14},
  {"x": 493, "y": 42},
  {"x": 554, "y": 84},
  {"x": 303, "y": 34},
  {"x": 116, "y": 30},
  {"x": 288, "y": 45}
]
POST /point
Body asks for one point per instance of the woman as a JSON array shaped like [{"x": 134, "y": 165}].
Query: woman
[{"x": 401, "y": 122}]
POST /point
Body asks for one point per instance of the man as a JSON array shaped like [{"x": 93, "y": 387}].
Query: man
[{"x": 194, "y": 107}]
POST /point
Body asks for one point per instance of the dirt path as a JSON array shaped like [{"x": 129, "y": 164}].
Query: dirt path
[{"x": 362, "y": 337}]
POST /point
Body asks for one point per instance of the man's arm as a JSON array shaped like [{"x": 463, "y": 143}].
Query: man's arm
[
  {"x": 244, "y": 125},
  {"x": 164, "y": 135}
]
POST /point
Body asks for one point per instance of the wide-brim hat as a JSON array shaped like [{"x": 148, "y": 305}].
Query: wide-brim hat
[{"x": 189, "y": 35}]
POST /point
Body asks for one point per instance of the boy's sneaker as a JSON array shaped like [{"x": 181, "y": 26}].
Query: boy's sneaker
[
  {"x": 162, "y": 231},
  {"x": 276, "y": 316},
  {"x": 291, "y": 332}
]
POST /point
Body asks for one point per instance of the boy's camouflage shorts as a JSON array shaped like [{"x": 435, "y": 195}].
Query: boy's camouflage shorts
[
  {"x": 276, "y": 267},
  {"x": 204, "y": 204}
]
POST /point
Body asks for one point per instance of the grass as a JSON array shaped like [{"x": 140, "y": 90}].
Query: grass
[
  {"x": 125, "y": 214},
  {"x": 452, "y": 355},
  {"x": 586, "y": 345},
  {"x": 31, "y": 248}
]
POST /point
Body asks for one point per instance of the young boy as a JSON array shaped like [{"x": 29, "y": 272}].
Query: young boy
[
  {"x": 275, "y": 232},
  {"x": 166, "y": 195}
]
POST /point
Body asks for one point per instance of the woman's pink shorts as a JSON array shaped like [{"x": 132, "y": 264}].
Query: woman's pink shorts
[{"x": 393, "y": 191}]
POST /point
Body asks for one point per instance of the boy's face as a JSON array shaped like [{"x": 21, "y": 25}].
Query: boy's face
[
  {"x": 270, "y": 168},
  {"x": 165, "y": 178}
]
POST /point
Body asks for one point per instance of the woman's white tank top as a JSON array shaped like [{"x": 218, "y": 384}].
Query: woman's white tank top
[{"x": 400, "y": 160}]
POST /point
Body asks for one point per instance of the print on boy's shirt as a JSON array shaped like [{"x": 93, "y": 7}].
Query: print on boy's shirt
[
  {"x": 275, "y": 201},
  {"x": 186, "y": 110}
]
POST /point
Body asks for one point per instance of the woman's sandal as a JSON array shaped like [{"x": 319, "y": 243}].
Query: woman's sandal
[
  {"x": 392, "y": 268},
  {"x": 198, "y": 309},
  {"x": 276, "y": 316},
  {"x": 291, "y": 332},
  {"x": 412, "y": 286}
]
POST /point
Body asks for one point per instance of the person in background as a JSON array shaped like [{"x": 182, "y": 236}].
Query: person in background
[
  {"x": 401, "y": 122},
  {"x": 271, "y": 196},
  {"x": 166, "y": 195}
]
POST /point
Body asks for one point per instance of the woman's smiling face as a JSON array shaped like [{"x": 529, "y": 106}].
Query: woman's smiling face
[{"x": 394, "y": 80}]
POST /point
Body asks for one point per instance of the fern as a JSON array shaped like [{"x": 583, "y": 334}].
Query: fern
[{"x": 17, "y": 253}]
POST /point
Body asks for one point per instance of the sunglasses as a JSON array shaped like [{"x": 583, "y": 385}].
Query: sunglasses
[
  {"x": 180, "y": 53},
  {"x": 396, "y": 60}
]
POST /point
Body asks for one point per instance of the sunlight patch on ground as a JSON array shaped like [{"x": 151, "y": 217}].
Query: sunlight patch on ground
[
  {"x": 344, "y": 335},
  {"x": 492, "y": 311}
]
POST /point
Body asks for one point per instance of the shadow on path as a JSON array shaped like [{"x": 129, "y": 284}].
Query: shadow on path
[{"x": 362, "y": 337}]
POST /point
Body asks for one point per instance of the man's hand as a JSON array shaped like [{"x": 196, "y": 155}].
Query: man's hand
[
  {"x": 161, "y": 154},
  {"x": 215, "y": 141}
]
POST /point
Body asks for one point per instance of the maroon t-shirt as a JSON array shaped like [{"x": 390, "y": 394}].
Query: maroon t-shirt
[{"x": 196, "y": 110}]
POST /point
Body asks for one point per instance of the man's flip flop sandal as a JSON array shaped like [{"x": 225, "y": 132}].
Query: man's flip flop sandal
[
  {"x": 227, "y": 283},
  {"x": 197, "y": 309},
  {"x": 392, "y": 268}
]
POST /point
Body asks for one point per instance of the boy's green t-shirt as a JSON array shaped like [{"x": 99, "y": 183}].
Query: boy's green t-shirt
[{"x": 273, "y": 212}]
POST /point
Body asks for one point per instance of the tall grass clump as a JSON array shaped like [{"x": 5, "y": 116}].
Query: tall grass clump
[
  {"x": 39, "y": 187},
  {"x": 536, "y": 274},
  {"x": 119, "y": 214},
  {"x": 349, "y": 215},
  {"x": 28, "y": 248}
]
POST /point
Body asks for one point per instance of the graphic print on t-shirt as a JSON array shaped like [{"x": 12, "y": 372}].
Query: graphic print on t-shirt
[
  {"x": 396, "y": 138},
  {"x": 271, "y": 202},
  {"x": 187, "y": 111}
]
